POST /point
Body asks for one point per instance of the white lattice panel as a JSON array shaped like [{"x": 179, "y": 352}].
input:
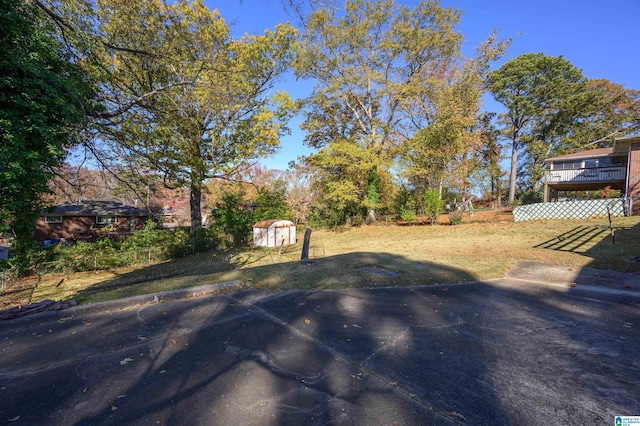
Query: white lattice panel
[{"x": 570, "y": 209}]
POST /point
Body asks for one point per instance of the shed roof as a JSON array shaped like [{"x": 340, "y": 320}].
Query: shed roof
[
  {"x": 95, "y": 208},
  {"x": 275, "y": 223}
]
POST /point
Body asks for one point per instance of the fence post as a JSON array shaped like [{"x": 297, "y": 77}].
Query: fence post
[
  {"x": 305, "y": 244},
  {"x": 613, "y": 232}
]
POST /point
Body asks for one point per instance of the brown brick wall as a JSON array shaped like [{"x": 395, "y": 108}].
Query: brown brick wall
[
  {"x": 66, "y": 229},
  {"x": 634, "y": 176},
  {"x": 71, "y": 224}
]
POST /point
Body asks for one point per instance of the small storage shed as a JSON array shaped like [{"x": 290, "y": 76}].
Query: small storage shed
[{"x": 274, "y": 233}]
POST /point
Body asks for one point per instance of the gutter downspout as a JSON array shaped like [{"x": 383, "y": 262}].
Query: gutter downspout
[{"x": 626, "y": 180}]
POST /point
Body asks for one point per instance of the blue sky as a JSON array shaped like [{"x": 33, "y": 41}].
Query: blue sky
[{"x": 600, "y": 38}]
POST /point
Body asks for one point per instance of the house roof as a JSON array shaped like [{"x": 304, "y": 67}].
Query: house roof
[
  {"x": 600, "y": 152},
  {"x": 275, "y": 223},
  {"x": 628, "y": 138},
  {"x": 591, "y": 153},
  {"x": 94, "y": 208}
]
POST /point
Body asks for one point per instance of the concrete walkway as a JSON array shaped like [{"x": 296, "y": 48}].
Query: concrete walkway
[{"x": 533, "y": 348}]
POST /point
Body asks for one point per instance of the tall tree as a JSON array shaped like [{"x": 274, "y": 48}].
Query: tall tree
[
  {"x": 613, "y": 111},
  {"x": 183, "y": 97},
  {"x": 360, "y": 62},
  {"x": 443, "y": 111},
  {"x": 383, "y": 74},
  {"x": 543, "y": 96},
  {"x": 490, "y": 156},
  {"x": 42, "y": 96},
  {"x": 301, "y": 189}
]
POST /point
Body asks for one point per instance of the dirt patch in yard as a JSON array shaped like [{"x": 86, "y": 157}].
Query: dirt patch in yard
[
  {"x": 504, "y": 215},
  {"x": 481, "y": 216},
  {"x": 487, "y": 216}
]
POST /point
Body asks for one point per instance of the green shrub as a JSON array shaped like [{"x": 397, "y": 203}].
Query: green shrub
[
  {"x": 147, "y": 237},
  {"x": 408, "y": 212},
  {"x": 203, "y": 239},
  {"x": 356, "y": 220},
  {"x": 455, "y": 217},
  {"x": 433, "y": 205},
  {"x": 146, "y": 245},
  {"x": 271, "y": 204},
  {"x": 232, "y": 220},
  {"x": 528, "y": 197}
]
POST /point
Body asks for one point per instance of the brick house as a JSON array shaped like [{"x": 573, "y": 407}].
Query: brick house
[
  {"x": 617, "y": 167},
  {"x": 87, "y": 220}
]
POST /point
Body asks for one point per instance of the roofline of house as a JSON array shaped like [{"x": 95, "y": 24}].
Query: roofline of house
[
  {"x": 94, "y": 208},
  {"x": 579, "y": 156},
  {"x": 91, "y": 214},
  {"x": 613, "y": 153},
  {"x": 628, "y": 138}
]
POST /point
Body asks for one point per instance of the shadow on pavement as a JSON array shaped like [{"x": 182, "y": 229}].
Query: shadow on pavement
[{"x": 494, "y": 352}]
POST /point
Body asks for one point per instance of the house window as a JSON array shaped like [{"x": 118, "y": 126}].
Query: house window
[
  {"x": 565, "y": 165},
  {"x": 53, "y": 219},
  {"x": 105, "y": 220},
  {"x": 612, "y": 162}
]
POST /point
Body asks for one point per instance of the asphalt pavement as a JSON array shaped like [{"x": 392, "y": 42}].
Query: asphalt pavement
[{"x": 544, "y": 345}]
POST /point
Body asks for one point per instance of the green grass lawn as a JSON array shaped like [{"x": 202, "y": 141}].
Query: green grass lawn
[{"x": 390, "y": 255}]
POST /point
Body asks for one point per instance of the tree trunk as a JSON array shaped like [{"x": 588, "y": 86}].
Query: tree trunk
[
  {"x": 495, "y": 191},
  {"x": 514, "y": 170},
  {"x": 372, "y": 196},
  {"x": 195, "y": 199},
  {"x": 371, "y": 215},
  {"x": 537, "y": 184}
]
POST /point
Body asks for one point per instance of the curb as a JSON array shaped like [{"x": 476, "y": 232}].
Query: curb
[
  {"x": 562, "y": 274},
  {"x": 579, "y": 281},
  {"x": 129, "y": 302}
]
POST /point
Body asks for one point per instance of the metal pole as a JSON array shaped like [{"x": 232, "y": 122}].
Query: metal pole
[{"x": 613, "y": 233}]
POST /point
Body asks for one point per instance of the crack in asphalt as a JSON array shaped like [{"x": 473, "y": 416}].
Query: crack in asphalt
[
  {"x": 382, "y": 348},
  {"x": 80, "y": 360},
  {"x": 339, "y": 355}
]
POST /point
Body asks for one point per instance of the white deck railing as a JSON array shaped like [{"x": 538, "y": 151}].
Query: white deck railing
[{"x": 599, "y": 174}]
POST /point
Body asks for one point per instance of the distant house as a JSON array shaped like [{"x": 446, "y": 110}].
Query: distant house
[
  {"x": 617, "y": 167},
  {"x": 87, "y": 220}
]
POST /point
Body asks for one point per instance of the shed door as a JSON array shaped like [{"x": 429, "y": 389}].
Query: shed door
[
  {"x": 282, "y": 234},
  {"x": 271, "y": 237}
]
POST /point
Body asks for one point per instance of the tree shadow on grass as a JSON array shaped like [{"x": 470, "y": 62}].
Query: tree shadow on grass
[
  {"x": 162, "y": 276},
  {"x": 341, "y": 271}
]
